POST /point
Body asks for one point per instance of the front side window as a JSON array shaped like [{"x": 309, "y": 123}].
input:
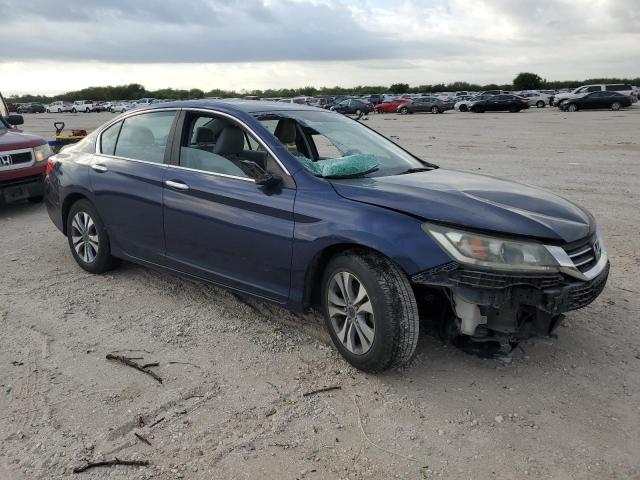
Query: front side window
[
  {"x": 144, "y": 137},
  {"x": 332, "y": 145},
  {"x": 215, "y": 144}
]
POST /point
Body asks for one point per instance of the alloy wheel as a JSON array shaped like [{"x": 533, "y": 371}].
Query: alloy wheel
[
  {"x": 434, "y": 109},
  {"x": 615, "y": 106},
  {"x": 351, "y": 313},
  {"x": 84, "y": 236}
]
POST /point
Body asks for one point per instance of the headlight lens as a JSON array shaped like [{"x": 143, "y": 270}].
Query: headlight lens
[
  {"x": 42, "y": 152},
  {"x": 485, "y": 251}
]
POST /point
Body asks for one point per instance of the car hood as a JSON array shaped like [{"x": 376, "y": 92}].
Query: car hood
[
  {"x": 12, "y": 139},
  {"x": 475, "y": 202}
]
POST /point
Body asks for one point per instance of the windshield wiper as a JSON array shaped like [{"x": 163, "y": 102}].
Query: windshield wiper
[{"x": 416, "y": 170}]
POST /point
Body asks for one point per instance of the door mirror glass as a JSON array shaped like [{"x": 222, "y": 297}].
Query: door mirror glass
[{"x": 15, "y": 119}]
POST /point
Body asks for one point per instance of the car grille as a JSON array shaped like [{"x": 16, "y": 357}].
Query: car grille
[
  {"x": 584, "y": 254},
  {"x": 15, "y": 159},
  {"x": 473, "y": 278},
  {"x": 583, "y": 294}
]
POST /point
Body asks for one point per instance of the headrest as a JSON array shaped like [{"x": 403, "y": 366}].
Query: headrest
[
  {"x": 230, "y": 141},
  {"x": 140, "y": 136},
  {"x": 205, "y": 135},
  {"x": 286, "y": 130}
]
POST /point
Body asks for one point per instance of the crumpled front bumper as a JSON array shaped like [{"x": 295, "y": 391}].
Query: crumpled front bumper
[{"x": 514, "y": 306}]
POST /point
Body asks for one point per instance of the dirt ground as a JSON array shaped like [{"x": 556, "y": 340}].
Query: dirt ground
[{"x": 231, "y": 405}]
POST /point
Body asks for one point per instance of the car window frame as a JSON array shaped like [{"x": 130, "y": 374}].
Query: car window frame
[
  {"x": 179, "y": 125},
  {"x": 170, "y": 136}
]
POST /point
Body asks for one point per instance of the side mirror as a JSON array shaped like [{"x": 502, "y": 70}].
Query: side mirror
[
  {"x": 15, "y": 120},
  {"x": 268, "y": 180}
]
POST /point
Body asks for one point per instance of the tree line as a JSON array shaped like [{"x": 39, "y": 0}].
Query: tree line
[{"x": 135, "y": 91}]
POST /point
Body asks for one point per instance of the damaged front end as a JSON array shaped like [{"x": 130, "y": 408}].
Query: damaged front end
[{"x": 506, "y": 305}]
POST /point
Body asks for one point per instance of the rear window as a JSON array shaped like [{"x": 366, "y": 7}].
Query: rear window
[{"x": 618, "y": 88}]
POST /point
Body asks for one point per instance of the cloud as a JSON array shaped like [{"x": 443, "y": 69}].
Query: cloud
[{"x": 421, "y": 41}]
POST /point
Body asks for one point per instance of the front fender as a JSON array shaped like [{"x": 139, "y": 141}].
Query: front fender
[{"x": 324, "y": 220}]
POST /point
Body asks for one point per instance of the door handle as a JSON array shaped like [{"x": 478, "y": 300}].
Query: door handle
[
  {"x": 176, "y": 185},
  {"x": 98, "y": 167}
]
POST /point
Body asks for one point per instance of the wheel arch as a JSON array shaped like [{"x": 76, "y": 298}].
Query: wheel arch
[
  {"x": 317, "y": 265},
  {"x": 68, "y": 202}
]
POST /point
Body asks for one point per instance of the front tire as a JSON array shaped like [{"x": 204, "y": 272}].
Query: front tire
[
  {"x": 88, "y": 238},
  {"x": 572, "y": 108},
  {"x": 370, "y": 311},
  {"x": 540, "y": 104},
  {"x": 463, "y": 108}
]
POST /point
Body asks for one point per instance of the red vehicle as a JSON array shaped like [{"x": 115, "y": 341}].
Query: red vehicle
[
  {"x": 23, "y": 160},
  {"x": 391, "y": 106}
]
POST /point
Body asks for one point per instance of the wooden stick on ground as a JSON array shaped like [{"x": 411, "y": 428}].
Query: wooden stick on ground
[
  {"x": 142, "y": 439},
  {"x": 110, "y": 463},
  {"x": 131, "y": 363},
  {"x": 320, "y": 390}
]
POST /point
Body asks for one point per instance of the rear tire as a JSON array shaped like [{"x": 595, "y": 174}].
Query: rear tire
[
  {"x": 615, "y": 106},
  {"x": 540, "y": 104},
  {"x": 88, "y": 238},
  {"x": 36, "y": 199},
  {"x": 463, "y": 108},
  {"x": 514, "y": 109},
  {"x": 370, "y": 311},
  {"x": 404, "y": 110},
  {"x": 435, "y": 109}
]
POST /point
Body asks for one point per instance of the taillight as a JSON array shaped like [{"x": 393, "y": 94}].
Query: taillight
[{"x": 51, "y": 163}]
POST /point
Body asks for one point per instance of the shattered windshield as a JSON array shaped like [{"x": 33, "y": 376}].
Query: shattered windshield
[{"x": 331, "y": 145}]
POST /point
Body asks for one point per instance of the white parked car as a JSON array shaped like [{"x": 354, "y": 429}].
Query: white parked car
[
  {"x": 622, "y": 88},
  {"x": 82, "y": 106},
  {"x": 538, "y": 99},
  {"x": 121, "y": 107},
  {"x": 59, "y": 107},
  {"x": 466, "y": 104}
]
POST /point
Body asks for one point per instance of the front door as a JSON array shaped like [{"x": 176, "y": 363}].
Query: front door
[
  {"x": 126, "y": 177},
  {"x": 219, "y": 224}
]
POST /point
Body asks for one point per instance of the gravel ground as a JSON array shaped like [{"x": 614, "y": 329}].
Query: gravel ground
[{"x": 231, "y": 405}]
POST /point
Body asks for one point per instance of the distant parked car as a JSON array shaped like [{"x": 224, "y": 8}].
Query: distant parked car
[
  {"x": 390, "y": 106},
  {"x": 500, "y": 103},
  {"x": 82, "y": 106},
  {"x": 622, "y": 88},
  {"x": 101, "y": 106},
  {"x": 465, "y": 105},
  {"x": 374, "y": 99},
  {"x": 12, "y": 107},
  {"x": 425, "y": 104},
  {"x": 121, "y": 107},
  {"x": 603, "y": 99},
  {"x": 353, "y": 106},
  {"x": 538, "y": 99},
  {"x": 59, "y": 107},
  {"x": 31, "y": 108}
]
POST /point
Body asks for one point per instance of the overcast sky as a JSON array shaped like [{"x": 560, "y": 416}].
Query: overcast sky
[{"x": 51, "y": 47}]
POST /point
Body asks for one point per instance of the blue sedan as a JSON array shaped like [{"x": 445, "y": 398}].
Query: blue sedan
[{"x": 310, "y": 209}]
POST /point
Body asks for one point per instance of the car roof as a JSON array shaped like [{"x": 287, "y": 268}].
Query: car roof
[{"x": 245, "y": 106}]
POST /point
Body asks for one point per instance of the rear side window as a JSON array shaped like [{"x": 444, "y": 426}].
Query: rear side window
[
  {"x": 618, "y": 88},
  {"x": 595, "y": 88},
  {"x": 109, "y": 138},
  {"x": 144, "y": 137}
]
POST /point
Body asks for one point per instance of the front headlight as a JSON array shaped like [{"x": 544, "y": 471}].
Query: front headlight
[
  {"x": 492, "y": 252},
  {"x": 42, "y": 152}
]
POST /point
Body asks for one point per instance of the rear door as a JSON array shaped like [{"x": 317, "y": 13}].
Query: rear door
[
  {"x": 219, "y": 224},
  {"x": 126, "y": 177}
]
